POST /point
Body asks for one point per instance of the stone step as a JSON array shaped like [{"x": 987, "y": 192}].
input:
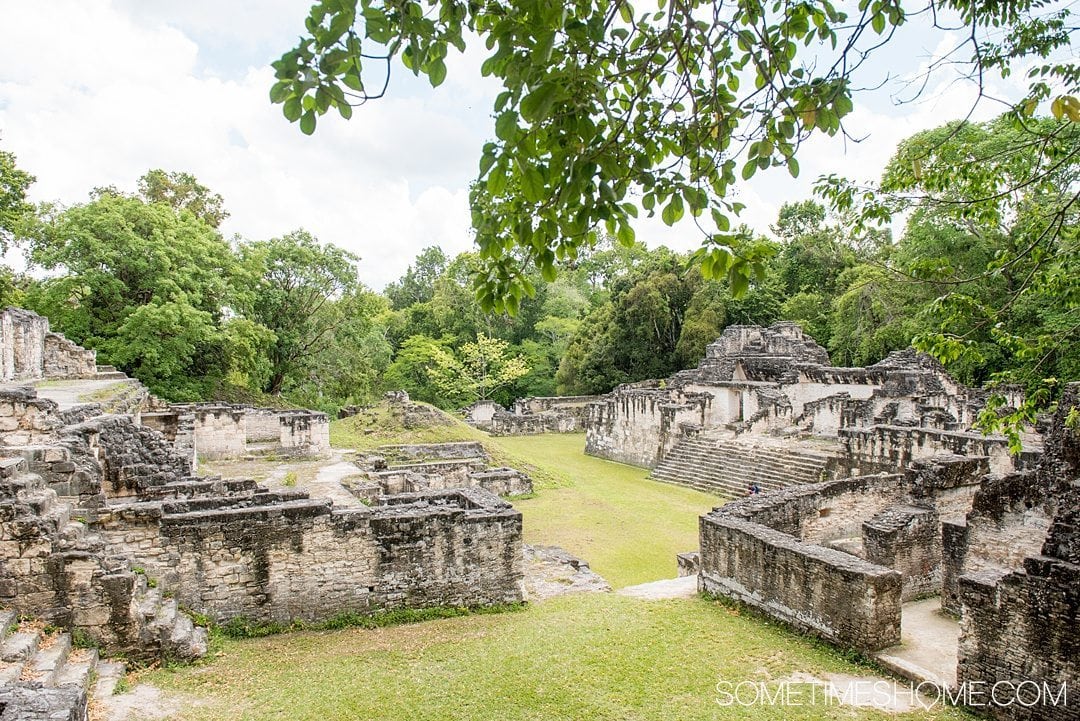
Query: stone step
[
  {"x": 20, "y": 646},
  {"x": 48, "y": 663},
  {"x": 11, "y": 466},
  {"x": 105, "y": 369},
  {"x": 744, "y": 466},
  {"x": 79, "y": 669},
  {"x": 785, "y": 461},
  {"x": 8, "y": 619},
  {"x": 733, "y": 477},
  {"x": 111, "y": 376},
  {"x": 742, "y": 462},
  {"x": 109, "y": 674}
]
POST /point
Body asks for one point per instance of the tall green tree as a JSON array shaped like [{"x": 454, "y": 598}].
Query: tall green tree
[
  {"x": 14, "y": 207},
  {"x": 182, "y": 192},
  {"x": 142, "y": 283},
  {"x": 293, "y": 284},
  {"x": 477, "y": 371}
]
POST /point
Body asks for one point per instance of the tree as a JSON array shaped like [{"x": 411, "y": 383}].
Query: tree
[
  {"x": 13, "y": 204},
  {"x": 293, "y": 282},
  {"x": 477, "y": 371},
  {"x": 181, "y": 191},
  {"x": 143, "y": 284},
  {"x": 605, "y": 108},
  {"x": 418, "y": 283}
]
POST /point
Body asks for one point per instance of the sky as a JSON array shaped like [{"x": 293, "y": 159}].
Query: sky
[{"x": 96, "y": 92}]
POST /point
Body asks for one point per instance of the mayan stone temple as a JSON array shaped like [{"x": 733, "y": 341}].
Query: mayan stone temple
[
  {"x": 866, "y": 505},
  {"x": 109, "y": 533}
]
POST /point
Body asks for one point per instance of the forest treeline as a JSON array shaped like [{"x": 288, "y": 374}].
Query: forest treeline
[{"x": 148, "y": 279}]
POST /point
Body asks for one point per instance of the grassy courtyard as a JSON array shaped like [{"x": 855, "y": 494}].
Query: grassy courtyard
[
  {"x": 590, "y": 656},
  {"x": 627, "y": 527}
]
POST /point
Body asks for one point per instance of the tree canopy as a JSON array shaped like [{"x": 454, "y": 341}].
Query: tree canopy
[{"x": 607, "y": 108}]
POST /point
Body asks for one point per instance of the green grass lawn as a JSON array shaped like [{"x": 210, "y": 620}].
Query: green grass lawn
[
  {"x": 585, "y": 657},
  {"x": 627, "y": 527}
]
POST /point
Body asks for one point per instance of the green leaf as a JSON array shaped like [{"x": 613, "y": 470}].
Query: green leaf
[
  {"x": 532, "y": 183},
  {"x": 506, "y": 126},
  {"x": 307, "y": 122},
  {"x": 291, "y": 110},
  {"x": 673, "y": 211},
  {"x": 437, "y": 73},
  {"x": 280, "y": 91},
  {"x": 626, "y": 235},
  {"x": 537, "y": 104}
]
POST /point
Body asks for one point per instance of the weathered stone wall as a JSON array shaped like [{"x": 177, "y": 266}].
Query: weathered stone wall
[
  {"x": 30, "y": 351},
  {"x": 302, "y": 559},
  {"x": 828, "y": 593},
  {"x": 22, "y": 345},
  {"x": 262, "y": 425},
  {"x": 220, "y": 432},
  {"x": 178, "y": 428},
  {"x": 908, "y": 539},
  {"x": 1008, "y": 522},
  {"x": 897, "y": 446},
  {"x": 480, "y": 413},
  {"x": 1019, "y": 626},
  {"x": 304, "y": 433},
  {"x": 26, "y": 419},
  {"x": 639, "y": 426},
  {"x": 121, "y": 459},
  {"x": 456, "y": 465},
  {"x": 64, "y": 359},
  {"x": 434, "y": 451}
]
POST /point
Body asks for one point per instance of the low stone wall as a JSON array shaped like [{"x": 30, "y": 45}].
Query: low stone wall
[
  {"x": 827, "y": 593},
  {"x": 885, "y": 446},
  {"x": 1008, "y": 522},
  {"x": 305, "y": 433},
  {"x": 30, "y": 351},
  {"x": 262, "y": 425},
  {"x": 907, "y": 539},
  {"x": 434, "y": 451},
  {"x": 303, "y": 559},
  {"x": 220, "y": 432},
  {"x": 64, "y": 359}
]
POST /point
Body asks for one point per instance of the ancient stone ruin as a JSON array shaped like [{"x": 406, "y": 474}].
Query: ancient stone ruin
[
  {"x": 765, "y": 402},
  {"x": 220, "y": 431},
  {"x": 867, "y": 503},
  {"x": 108, "y": 534},
  {"x": 530, "y": 416},
  {"x": 433, "y": 466}
]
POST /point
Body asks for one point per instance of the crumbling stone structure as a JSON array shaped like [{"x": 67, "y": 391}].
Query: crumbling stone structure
[
  {"x": 433, "y": 466},
  {"x": 765, "y": 408},
  {"x": 531, "y": 416},
  {"x": 221, "y": 431},
  {"x": 840, "y": 558},
  {"x": 106, "y": 532},
  {"x": 30, "y": 351}
]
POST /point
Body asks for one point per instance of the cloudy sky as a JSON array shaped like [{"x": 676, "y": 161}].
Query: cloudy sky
[{"x": 96, "y": 92}]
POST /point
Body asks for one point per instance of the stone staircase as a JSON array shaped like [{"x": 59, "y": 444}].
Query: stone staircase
[
  {"x": 162, "y": 630},
  {"x": 726, "y": 468},
  {"x": 43, "y": 675},
  {"x": 110, "y": 373}
]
